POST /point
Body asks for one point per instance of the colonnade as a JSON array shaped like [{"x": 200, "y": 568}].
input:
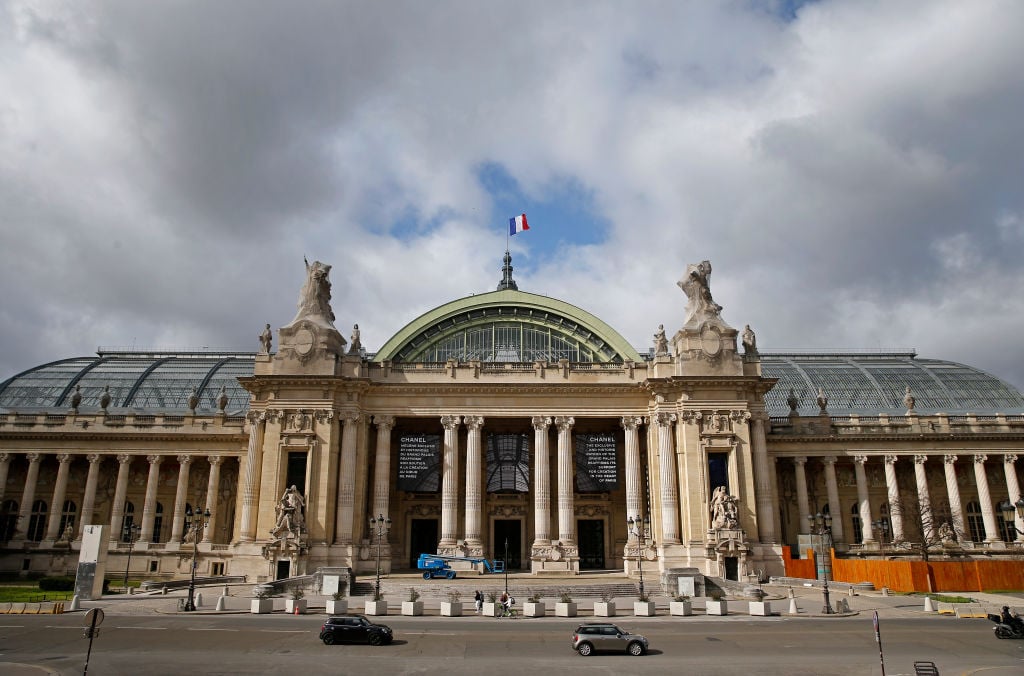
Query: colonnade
[{"x": 896, "y": 501}]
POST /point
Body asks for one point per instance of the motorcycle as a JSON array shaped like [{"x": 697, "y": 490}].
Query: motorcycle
[{"x": 1013, "y": 629}]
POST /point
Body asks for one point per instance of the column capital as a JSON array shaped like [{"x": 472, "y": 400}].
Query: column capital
[
  {"x": 63, "y": 458},
  {"x": 666, "y": 419},
  {"x": 631, "y": 422},
  {"x": 829, "y": 460},
  {"x": 450, "y": 422},
  {"x": 920, "y": 459},
  {"x": 184, "y": 459},
  {"x": 687, "y": 417},
  {"x": 256, "y": 417},
  {"x": 950, "y": 459},
  {"x": 564, "y": 423},
  {"x": 34, "y": 457},
  {"x": 155, "y": 459},
  {"x": 350, "y": 417},
  {"x": 384, "y": 422},
  {"x": 540, "y": 422},
  {"x": 860, "y": 459},
  {"x": 891, "y": 459},
  {"x": 215, "y": 460},
  {"x": 5, "y": 458},
  {"x": 800, "y": 460},
  {"x": 94, "y": 458},
  {"x": 124, "y": 458},
  {"x": 980, "y": 458},
  {"x": 473, "y": 422},
  {"x": 1009, "y": 458}
]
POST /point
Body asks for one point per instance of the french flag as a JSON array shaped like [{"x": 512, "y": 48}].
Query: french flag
[{"x": 517, "y": 224}]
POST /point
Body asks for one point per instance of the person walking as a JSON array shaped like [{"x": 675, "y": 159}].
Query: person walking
[{"x": 478, "y": 599}]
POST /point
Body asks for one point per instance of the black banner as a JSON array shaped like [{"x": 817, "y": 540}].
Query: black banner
[
  {"x": 419, "y": 463},
  {"x": 596, "y": 471}
]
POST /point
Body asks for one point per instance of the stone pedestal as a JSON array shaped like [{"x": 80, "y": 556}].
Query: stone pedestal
[
  {"x": 680, "y": 608},
  {"x": 451, "y": 608},
  {"x": 604, "y": 609},
  {"x": 376, "y": 608},
  {"x": 261, "y": 606},
  {"x": 534, "y": 609},
  {"x": 339, "y": 607},
  {"x": 412, "y": 608},
  {"x": 565, "y": 610},
  {"x": 643, "y": 608},
  {"x": 717, "y": 608},
  {"x": 761, "y": 608}
]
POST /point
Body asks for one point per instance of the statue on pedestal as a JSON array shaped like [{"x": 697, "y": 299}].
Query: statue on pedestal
[
  {"x": 660, "y": 342},
  {"x": 697, "y": 287},
  {"x": 266, "y": 339},
  {"x": 749, "y": 341},
  {"x": 724, "y": 509}
]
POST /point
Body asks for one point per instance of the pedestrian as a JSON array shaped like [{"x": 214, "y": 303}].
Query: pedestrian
[{"x": 478, "y": 599}]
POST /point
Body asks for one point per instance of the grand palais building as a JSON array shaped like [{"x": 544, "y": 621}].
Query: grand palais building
[{"x": 506, "y": 422}]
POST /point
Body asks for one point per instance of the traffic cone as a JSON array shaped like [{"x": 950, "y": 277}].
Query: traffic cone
[
  {"x": 793, "y": 610},
  {"x": 928, "y": 608},
  {"x": 296, "y": 609}
]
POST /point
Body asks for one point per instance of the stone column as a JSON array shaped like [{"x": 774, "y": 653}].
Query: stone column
[
  {"x": 252, "y": 477},
  {"x": 669, "y": 487},
  {"x": 5, "y": 464},
  {"x": 988, "y": 516},
  {"x": 1013, "y": 490},
  {"x": 924, "y": 501},
  {"x": 474, "y": 501},
  {"x": 566, "y": 513},
  {"x": 449, "y": 484},
  {"x": 178, "y": 522},
  {"x": 149, "y": 505},
  {"x": 28, "y": 496},
  {"x": 634, "y": 500},
  {"x": 542, "y": 482},
  {"x": 89, "y": 501},
  {"x": 212, "y": 493},
  {"x": 382, "y": 466},
  {"x": 834, "y": 508},
  {"x": 347, "y": 478},
  {"x": 60, "y": 489},
  {"x": 764, "y": 488},
  {"x": 893, "y": 493},
  {"x": 863, "y": 502},
  {"x": 956, "y": 510},
  {"x": 803, "y": 506},
  {"x": 124, "y": 463}
]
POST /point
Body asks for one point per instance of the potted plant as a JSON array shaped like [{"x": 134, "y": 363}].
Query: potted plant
[
  {"x": 565, "y": 606},
  {"x": 413, "y": 606},
  {"x": 716, "y": 605},
  {"x": 643, "y": 606},
  {"x": 534, "y": 607},
  {"x": 453, "y": 606},
  {"x": 296, "y": 605},
  {"x": 378, "y": 606},
  {"x": 681, "y": 606},
  {"x": 605, "y": 607},
  {"x": 262, "y": 603},
  {"x": 337, "y": 604},
  {"x": 491, "y": 606}
]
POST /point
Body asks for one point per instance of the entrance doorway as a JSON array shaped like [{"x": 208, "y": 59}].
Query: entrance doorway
[
  {"x": 423, "y": 539},
  {"x": 283, "y": 569},
  {"x": 512, "y": 531},
  {"x": 732, "y": 568},
  {"x": 591, "y": 534}
]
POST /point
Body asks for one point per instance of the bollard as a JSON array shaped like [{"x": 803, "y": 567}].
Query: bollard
[
  {"x": 74, "y": 602},
  {"x": 164, "y": 590},
  {"x": 199, "y": 599},
  {"x": 928, "y": 608},
  {"x": 793, "y": 610},
  {"x": 227, "y": 592},
  {"x": 849, "y": 590},
  {"x": 220, "y": 603},
  {"x": 885, "y": 591}
]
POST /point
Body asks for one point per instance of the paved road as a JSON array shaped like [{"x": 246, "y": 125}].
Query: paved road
[{"x": 246, "y": 644}]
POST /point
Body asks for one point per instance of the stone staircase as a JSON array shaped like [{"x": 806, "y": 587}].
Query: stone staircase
[{"x": 519, "y": 588}]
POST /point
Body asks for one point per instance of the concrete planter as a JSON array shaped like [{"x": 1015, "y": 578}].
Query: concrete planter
[
  {"x": 339, "y": 607},
  {"x": 643, "y": 608},
  {"x": 761, "y": 608},
  {"x": 295, "y": 606},
  {"x": 451, "y": 609},
  {"x": 261, "y": 606},
  {"x": 604, "y": 609},
  {"x": 376, "y": 608},
  {"x": 534, "y": 609},
  {"x": 680, "y": 608},
  {"x": 717, "y": 607},
  {"x": 492, "y": 609},
  {"x": 565, "y": 610},
  {"x": 412, "y": 608}
]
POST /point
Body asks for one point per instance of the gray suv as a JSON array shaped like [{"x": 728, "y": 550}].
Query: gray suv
[{"x": 595, "y": 636}]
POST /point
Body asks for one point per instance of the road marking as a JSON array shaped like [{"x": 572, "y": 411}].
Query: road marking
[{"x": 209, "y": 629}]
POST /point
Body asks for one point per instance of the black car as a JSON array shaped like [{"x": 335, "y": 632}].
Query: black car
[{"x": 354, "y": 629}]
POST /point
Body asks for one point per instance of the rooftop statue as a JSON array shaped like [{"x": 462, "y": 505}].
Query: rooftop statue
[
  {"x": 660, "y": 342},
  {"x": 266, "y": 340},
  {"x": 315, "y": 296},
  {"x": 696, "y": 284},
  {"x": 749, "y": 341}
]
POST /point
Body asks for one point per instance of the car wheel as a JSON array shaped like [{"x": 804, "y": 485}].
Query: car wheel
[
  {"x": 450, "y": 575},
  {"x": 635, "y": 648},
  {"x": 584, "y": 649},
  {"x": 327, "y": 638},
  {"x": 1003, "y": 632},
  {"x": 427, "y": 576},
  {"x": 375, "y": 639}
]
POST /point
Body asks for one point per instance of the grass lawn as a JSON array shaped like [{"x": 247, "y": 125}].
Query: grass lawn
[{"x": 16, "y": 594}]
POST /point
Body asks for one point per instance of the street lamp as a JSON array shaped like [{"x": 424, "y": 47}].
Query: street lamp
[
  {"x": 506, "y": 567},
  {"x": 821, "y": 525},
  {"x": 379, "y": 528},
  {"x": 132, "y": 532},
  {"x": 882, "y": 526},
  {"x": 1008, "y": 508},
  {"x": 195, "y": 527},
  {"x": 641, "y": 530}
]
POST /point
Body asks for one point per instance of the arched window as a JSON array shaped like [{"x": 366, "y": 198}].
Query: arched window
[
  {"x": 127, "y": 521},
  {"x": 67, "y": 517},
  {"x": 8, "y": 519},
  {"x": 37, "y": 522},
  {"x": 158, "y": 523},
  {"x": 856, "y": 532},
  {"x": 975, "y": 523}
]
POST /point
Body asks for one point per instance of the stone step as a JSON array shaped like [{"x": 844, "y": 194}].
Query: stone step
[{"x": 439, "y": 589}]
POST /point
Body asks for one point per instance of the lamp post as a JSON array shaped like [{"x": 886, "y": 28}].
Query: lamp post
[
  {"x": 379, "y": 527},
  {"x": 506, "y": 567},
  {"x": 195, "y": 527},
  {"x": 882, "y": 526},
  {"x": 821, "y": 525},
  {"x": 640, "y": 529},
  {"x": 1008, "y": 508},
  {"x": 132, "y": 532}
]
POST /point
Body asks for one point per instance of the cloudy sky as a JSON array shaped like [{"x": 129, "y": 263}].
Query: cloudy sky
[{"x": 853, "y": 170}]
